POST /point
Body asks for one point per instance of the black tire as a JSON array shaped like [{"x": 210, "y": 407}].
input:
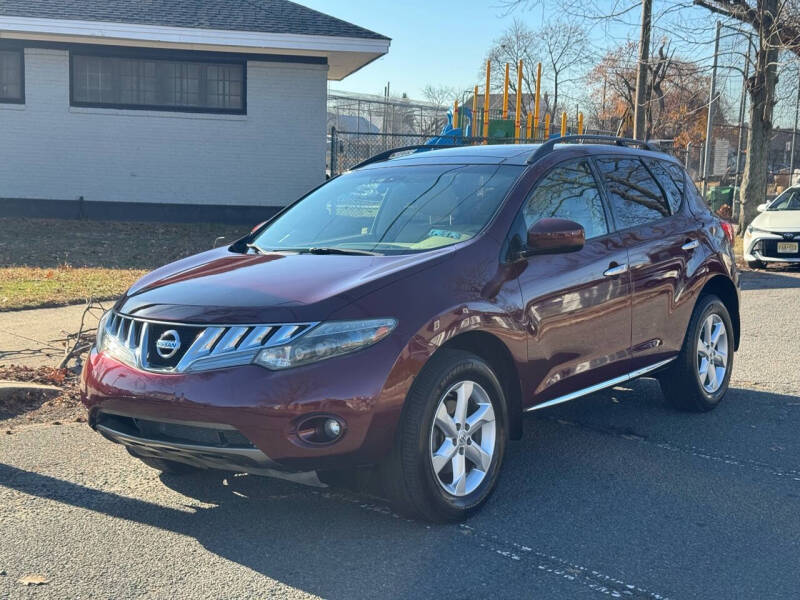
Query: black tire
[
  {"x": 165, "y": 466},
  {"x": 755, "y": 264},
  {"x": 681, "y": 383},
  {"x": 407, "y": 476}
]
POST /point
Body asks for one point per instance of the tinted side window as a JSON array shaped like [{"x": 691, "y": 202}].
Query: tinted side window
[
  {"x": 569, "y": 191},
  {"x": 674, "y": 193},
  {"x": 635, "y": 196},
  {"x": 677, "y": 174}
]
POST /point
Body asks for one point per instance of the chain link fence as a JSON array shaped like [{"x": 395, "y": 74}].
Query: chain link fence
[
  {"x": 346, "y": 149},
  {"x": 721, "y": 182}
]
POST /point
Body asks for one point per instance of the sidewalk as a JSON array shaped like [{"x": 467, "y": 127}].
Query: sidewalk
[{"x": 31, "y": 337}]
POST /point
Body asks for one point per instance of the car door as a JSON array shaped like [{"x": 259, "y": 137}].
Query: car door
[
  {"x": 577, "y": 304},
  {"x": 661, "y": 237}
]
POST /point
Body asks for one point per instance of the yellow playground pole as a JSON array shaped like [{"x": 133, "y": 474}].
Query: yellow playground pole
[
  {"x": 486, "y": 100},
  {"x": 529, "y": 126},
  {"x": 518, "y": 106},
  {"x": 536, "y": 100},
  {"x": 563, "y": 123},
  {"x": 474, "y": 129},
  {"x": 505, "y": 95},
  {"x": 455, "y": 114},
  {"x": 546, "y": 126},
  {"x": 580, "y": 123}
]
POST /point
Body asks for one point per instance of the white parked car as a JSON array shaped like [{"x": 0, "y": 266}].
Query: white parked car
[{"x": 774, "y": 235}]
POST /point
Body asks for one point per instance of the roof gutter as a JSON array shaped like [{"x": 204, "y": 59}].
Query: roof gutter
[{"x": 101, "y": 32}]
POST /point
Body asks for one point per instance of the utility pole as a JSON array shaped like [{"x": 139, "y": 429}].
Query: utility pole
[
  {"x": 794, "y": 136},
  {"x": 640, "y": 109},
  {"x": 712, "y": 98},
  {"x": 742, "y": 103}
]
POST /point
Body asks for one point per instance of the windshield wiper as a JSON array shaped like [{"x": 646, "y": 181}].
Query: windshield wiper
[{"x": 323, "y": 250}]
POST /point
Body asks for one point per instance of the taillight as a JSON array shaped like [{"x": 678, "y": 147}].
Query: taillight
[{"x": 728, "y": 229}]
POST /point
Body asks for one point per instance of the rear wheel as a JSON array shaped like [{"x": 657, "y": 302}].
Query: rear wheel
[
  {"x": 451, "y": 441},
  {"x": 698, "y": 379},
  {"x": 165, "y": 466}
]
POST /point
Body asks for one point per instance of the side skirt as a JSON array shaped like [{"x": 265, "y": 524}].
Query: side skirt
[{"x": 602, "y": 385}]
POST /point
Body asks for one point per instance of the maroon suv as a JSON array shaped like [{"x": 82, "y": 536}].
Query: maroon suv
[{"x": 402, "y": 317}]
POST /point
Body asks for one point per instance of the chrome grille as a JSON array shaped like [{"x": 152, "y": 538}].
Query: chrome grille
[{"x": 210, "y": 346}]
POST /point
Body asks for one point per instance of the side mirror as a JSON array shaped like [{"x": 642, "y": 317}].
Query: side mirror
[
  {"x": 555, "y": 236},
  {"x": 761, "y": 207}
]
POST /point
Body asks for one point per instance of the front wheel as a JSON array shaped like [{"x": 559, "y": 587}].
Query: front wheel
[
  {"x": 698, "y": 379},
  {"x": 451, "y": 440}
]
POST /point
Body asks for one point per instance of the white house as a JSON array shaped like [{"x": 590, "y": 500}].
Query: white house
[{"x": 167, "y": 109}]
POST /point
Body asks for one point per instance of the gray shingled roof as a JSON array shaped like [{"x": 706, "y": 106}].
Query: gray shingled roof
[{"x": 268, "y": 16}]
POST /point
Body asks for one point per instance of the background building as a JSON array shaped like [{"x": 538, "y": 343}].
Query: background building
[{"x": 182, "y": 109}]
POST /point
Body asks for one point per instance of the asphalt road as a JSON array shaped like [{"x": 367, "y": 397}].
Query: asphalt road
[{"x": 611, "y": 495}]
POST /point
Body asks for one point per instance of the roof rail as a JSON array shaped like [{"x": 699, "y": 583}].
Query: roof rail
[
  {"x": 547, "y": 147},
  {"x": 389, "y": 153}
]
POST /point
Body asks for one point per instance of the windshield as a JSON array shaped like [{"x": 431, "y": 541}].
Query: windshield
[
  {"x": 392, "y": 210},
  {"x": 788, "y": 200}
]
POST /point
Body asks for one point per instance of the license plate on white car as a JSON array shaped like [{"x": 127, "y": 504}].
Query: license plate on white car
[{"x": 787, "y": 247}]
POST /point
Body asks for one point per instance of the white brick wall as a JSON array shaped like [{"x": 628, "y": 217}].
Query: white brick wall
[{"x": 268, "y": 157}]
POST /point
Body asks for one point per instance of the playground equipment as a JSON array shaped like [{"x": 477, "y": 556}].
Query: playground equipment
[
  {"x": 464, "y": 123},
  {"x": 452, "y": 134}
]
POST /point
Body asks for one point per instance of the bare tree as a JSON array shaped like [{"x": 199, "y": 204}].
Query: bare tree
[
  {"x": 777, "y": 25},
  {"x": 563, "y": 49},
  {"x": 518, "y": 42},
  {"x": 567, "y": 50},
  {"x": 441, "y": 96}
]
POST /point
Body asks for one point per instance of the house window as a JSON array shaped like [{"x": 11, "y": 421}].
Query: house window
[
  {"x": 12, "y": 76},
  {"x": 158, "y": 84}
]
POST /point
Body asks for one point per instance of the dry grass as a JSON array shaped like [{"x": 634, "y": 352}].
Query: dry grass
[
  {"x": 50, "y": 262},
  {"x": 22, "y": 287},
  {"x": 738, "y": 247}
]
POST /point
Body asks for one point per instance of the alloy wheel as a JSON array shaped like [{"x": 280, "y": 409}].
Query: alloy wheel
[
  {"x": 462, "y": 439},
  {"x": 712, "y": 353}
]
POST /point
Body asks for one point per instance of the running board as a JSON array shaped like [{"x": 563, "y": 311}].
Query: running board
[{"x": 601, "y": 386}]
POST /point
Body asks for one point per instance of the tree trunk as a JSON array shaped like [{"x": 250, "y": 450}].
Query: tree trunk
[{"x": 761, "y": 87}]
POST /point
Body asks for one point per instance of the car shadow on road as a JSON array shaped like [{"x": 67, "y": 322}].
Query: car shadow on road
[
  {"x": 340, "y": 545},
  {"x": 774, "y": 278}
]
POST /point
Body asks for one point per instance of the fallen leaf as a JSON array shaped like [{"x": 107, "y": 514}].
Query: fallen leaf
[{"x": 33, "y": 579}]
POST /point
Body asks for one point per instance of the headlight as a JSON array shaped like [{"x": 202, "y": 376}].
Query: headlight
[
  {"x": 751, "y": 230},
  {"x": 101, "y": 331},
  {"x": 326, "y": 341},
  {"x": 110, "y": 344}
]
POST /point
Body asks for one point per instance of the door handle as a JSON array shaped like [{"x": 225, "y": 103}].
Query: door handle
[
  {"x": 690, "y": 245},
  {"x": 616, "y": 270}
]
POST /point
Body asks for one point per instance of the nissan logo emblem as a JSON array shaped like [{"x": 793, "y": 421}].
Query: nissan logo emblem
[{"x": 168, "y": 343}]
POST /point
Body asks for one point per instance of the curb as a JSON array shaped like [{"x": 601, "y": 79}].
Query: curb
[{"x": 11, "y": 388}]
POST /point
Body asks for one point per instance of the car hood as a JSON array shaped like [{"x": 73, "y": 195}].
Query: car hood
[
  {"x": 778, "y": 220},
  {"x": 221, "y": 286}
]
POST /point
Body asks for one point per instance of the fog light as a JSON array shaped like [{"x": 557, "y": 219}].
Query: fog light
[
  {"x": 320, "y": 430},
  {"x": 333, "y": 429}
]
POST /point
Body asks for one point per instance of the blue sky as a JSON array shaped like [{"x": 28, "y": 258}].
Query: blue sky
[
  {"x": 444, "y": 42},
  {"x": 433, "y": 41}
]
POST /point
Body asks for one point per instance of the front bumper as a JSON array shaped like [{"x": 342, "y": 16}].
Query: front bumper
[
  {"x": 761, "y": 247},
  {"x": 260, "y": 409}
]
